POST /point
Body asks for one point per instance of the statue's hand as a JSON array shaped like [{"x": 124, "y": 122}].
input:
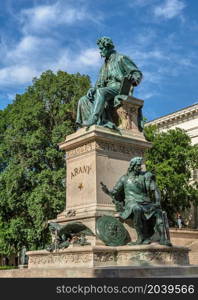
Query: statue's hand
[
  {"x": 133, "y": 79},
  {"x": 91, "y": 93},
  {"x": 104, "y": 188}
]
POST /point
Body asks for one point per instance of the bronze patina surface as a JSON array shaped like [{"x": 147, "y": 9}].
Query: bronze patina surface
[
  {"x": 117, "y": 78},
  {"x": 111, "y": 231},
  {"x": 139, "y": 195}
]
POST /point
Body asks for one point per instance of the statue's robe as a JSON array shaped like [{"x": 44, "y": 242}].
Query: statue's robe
[
  {"x": 107, "y": 87},
  {"x": 137, "y": 192}
]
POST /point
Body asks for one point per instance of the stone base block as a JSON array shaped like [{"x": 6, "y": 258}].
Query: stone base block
[
  {"x": 22, "y": 266},
  {"x": 103, "y": 256},
  {"x": 105, "y": 272},
  {"x": 188, "y": 238},
  {"x": 94, "y": 155}
]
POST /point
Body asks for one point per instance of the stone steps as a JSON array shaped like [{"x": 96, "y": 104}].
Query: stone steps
[{"x": 190, "y": 271}]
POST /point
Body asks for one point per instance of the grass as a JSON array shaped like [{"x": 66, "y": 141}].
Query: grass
[{"x": 7, "y": 267}]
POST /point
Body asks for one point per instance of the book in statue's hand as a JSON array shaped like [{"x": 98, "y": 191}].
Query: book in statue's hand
[{"x": 125, "y": 86}]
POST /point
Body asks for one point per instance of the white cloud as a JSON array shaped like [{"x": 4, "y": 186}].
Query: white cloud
[
  {"x": 85, "y": 60},
  {"x": 186, "y": 62},
  {"x": 34, "y": 55},
  {"x": 10, "y": 96},
  {"x": 148, "y": 95},
  {"x": 144, "y": 94},
  {"x": 159, "y": 62},
  {"x": 145, "y": 57},
  {"x": 154, "y": 54},
  {"x": 140, "y": 3},
  {"x": 44, "y": 17},
  {"x": 146, "y": 37},
  {"x": 153, "y": 77},
  {"x": 170, "y": 9},
  {"x": 16, "y": 75},
  {"x": 42, "y": 45},
  {"x": 25, "y": 48},
  {"x": 32, "y": 50},
  {"x": 89, "y": 57}
]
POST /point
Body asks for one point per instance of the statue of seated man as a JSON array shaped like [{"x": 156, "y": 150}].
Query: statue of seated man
[
  {"x": 141, "y": 202},
  {"x": 96, "y": 106}
]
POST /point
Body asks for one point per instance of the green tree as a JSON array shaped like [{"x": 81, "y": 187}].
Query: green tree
[
  {"x": 32, "y": 168},
  {"x": 172, "y": 158}
]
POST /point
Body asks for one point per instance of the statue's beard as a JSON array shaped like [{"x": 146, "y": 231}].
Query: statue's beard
[{"x": 135, "y": 172}]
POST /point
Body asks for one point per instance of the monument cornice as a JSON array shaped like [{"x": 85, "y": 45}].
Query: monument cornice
[{"x": 85, "y": 137}]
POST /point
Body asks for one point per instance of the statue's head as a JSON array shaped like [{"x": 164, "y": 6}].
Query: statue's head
[
  {"x": 135, "y": 164},
  {"x": 106, "y": 46}
]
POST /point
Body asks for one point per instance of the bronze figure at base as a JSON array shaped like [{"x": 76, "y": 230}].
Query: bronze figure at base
[{"x": 137, "y": 196}]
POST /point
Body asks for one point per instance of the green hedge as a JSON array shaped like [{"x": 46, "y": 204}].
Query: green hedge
[{"x": 7, "y": 267}]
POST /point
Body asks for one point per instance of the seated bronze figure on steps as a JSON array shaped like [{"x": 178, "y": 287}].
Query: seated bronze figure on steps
[{"x": 137, "y": 196}]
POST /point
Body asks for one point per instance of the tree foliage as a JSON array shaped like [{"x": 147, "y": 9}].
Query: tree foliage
[
  {"x": 172, "y": 158},
  {"x": 32, "y": 168}
]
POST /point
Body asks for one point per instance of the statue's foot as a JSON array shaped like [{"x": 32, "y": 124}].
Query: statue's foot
[
  {"x": 120, "y": 216},
  {"x": 146, "y": 242},
  {"x": 78, "y": 126},
  {"x": 138, "y": 242},
  {"x": 131, "y": 244},
  {"x": 50, "y": 248},
  {"x": 90, "y": 122},
  {"x": 85, "y": 244},
  {"x": 165, "y": 243},
  {"x": 64, "y": 245}
]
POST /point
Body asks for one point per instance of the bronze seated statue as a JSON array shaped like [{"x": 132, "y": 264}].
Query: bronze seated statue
[
  {"x": 137, "y": 197},
  {"x": 117, "y": 78}
]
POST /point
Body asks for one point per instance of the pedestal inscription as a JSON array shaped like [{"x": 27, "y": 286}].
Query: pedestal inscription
[
  {"x": 94, "y": 155},
  {"x": 89, "y": 256}
]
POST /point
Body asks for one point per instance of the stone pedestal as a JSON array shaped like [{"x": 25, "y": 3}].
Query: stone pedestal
[
  {"x": 99, "y": 154},
  {"x": 188, "y": 238},
  {"x": 93, "y": 155},
  {"x": 160, "y": 271},
  {"x": 22, "y": 266},
  {"x": 103, "y": 256},
  {"x": 127, "y": 116}
]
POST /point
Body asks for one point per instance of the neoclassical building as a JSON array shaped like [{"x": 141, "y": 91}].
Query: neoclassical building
[{"x": 187, "y": 119}]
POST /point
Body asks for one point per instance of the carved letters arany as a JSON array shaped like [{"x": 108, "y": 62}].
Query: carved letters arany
[{"x": 80, "y": 170}]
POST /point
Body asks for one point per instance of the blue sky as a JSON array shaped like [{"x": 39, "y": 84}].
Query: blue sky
[{"x": 159, "y": 35}]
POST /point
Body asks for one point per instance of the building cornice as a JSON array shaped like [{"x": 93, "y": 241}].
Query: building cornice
[{"x": 177, "y": 117}]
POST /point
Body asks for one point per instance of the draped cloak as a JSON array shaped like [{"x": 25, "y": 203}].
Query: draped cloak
[{"x": 108, "y": 85}]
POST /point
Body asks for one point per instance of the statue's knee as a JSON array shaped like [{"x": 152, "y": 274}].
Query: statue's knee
[
  {"x": 82, "y": 100},
  {"x": 159, "y": 221},
  {"x": 101, "y": 92}
]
